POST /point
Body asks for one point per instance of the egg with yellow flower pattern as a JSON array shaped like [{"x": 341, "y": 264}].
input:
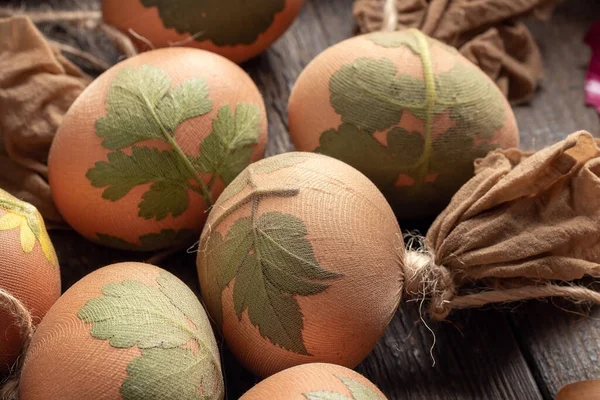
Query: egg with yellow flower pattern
[{"x": 29, "y": 271}]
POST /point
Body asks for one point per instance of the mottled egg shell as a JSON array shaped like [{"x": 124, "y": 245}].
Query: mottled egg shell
[
  {"x": 300, "y": 261},
  {"x": 314, "y": 382},
  {"x": 238, "y": 30},
  {"x": 29, "y": 271},
  {"x": 582, "y": 390},
  {"x": 406, "y": 110},
  {"x": 150, "y": 143},
  {"x": 129, "y": 330}
]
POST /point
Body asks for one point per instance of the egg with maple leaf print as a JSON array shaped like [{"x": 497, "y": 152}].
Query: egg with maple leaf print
[
  {"x": 148, "y": 147},
  {"x": 236, "y": 29},
  {"x": 126, "y": 331},
  {"x": 316, "y": 381},
  {"x": 300, "y": 262},
  {"x": 29, "y": 273},
  {"x": 406, "y": 110}
]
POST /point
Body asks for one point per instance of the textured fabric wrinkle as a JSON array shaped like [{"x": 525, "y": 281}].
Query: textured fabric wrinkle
[
  {"x": 518, "y": 229},
  {"x": 37, "y": 85}
]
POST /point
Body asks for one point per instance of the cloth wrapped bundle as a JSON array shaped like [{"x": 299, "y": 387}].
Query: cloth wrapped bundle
[
  {"x": 37, "y": 86},
  {"x": 525, "y": 223}
]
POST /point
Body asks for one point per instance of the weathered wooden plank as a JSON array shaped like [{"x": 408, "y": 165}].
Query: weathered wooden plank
[
  {"x": 560, "y": 341},
  {"x": 558, "y": 108},
  {"x": 476, "y": 357}
]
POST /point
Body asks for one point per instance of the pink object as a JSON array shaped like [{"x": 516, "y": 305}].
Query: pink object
[{"x": 592, "y": 79}]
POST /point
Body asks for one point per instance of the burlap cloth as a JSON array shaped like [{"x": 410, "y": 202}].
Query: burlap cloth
[
  {"x": 523, "y": 227},
  {"x": 486, "y": 32},
  {"x": 37, "y": 86}
]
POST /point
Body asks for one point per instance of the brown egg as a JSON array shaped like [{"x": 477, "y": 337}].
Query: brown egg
[
  {"x": 314, "y": 382},
  {"x": 406, "y": 110},
  {"x": 151, "y": 143},
  {"x": 28, "y": 271},
  {"x": 584, "y": 390},
  {"x": 129, "y": 330},
  {"x": 299, "y": 262},
  {"x": 238, "y": 30}
]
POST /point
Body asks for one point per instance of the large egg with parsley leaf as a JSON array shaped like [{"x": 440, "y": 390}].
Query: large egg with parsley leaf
[
  {"x": 236, "y": 29},
  {"x": 406, "y": 110},
  {"x": 315, "y": 381},
  {"x": 150, "y": 145},
  {"x": 29, "y": 274},
  {"x": 125, "y": 331},
  {"x": 299, "y": 262}
]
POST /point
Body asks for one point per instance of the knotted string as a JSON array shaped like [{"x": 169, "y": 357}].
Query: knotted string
[{"x": 426, "y": 279}]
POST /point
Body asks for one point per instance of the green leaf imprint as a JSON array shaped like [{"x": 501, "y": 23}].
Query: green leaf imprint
[
  {"x": 267, "y": 255},
  {"x": 406, "y": 38},
  {"x": 238, "y": 245},
  {"x": 376, "y": 104},
  {"x": 265, "y": 166},
  {"x": 225, "y": 22},
  {"x": 272, "y": 261},
  {"x": 384, "y": 39},
  {"x": 226, "y": 151},
  {"x": 357, "y": 389},
  {"x": 143, "y": 106},
  {"x": 162, "y": 321},
  {"x": 324, "y": 395},
  {"x": 371, "y": 96},
  {"x": 150, "y": 241},
  {"x": 359, "y": 149},
  {"x": 185, "y": 376},
  {"x": 162, "y": 168}
]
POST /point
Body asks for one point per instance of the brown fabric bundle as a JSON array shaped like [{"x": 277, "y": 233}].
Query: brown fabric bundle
[
  {"x": 521, "y": 226},
  {"x": 37, "y": 86},
  {"x": 486, "y": 32}
]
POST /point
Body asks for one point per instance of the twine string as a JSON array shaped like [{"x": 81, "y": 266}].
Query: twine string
[
  {"x": 52, "y": 15},
  {"x": 574, "y": 293},
  {"x": 390, "y": 16},
  {"x": 9, "y": 388},
  {"x": 425, "y": 279}
]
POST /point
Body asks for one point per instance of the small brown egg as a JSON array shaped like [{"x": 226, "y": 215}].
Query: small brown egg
[
  {"x": 238, "y": 30},
  {"x": 29, "y": 271},
  {"x": 126, "y": 331},
  {"x": 300, "y": 262},
  {"x": 406, "y": 110},
  {"x": 315, "y": 381},
  {"x": 151, "y": 143},
  {"x": 584, "y": 390}
]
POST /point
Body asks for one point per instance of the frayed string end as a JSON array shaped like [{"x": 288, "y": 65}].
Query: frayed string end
[{"x": 425, "y": 280}]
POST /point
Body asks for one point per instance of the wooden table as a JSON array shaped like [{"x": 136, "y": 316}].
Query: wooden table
[{"x": 520, "y": 351}]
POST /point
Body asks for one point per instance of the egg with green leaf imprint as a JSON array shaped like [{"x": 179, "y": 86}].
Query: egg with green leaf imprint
[
  {"x": 29, "y": 273},
  {"x": 150, "y": 145},
  {"x": 299, "y": 251},
  {"x": 236, "y": 29},
  {"x": 408, "y": 111},
  {"x": 315, "y": 381},
  {"x": 126, "y": 331}
]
